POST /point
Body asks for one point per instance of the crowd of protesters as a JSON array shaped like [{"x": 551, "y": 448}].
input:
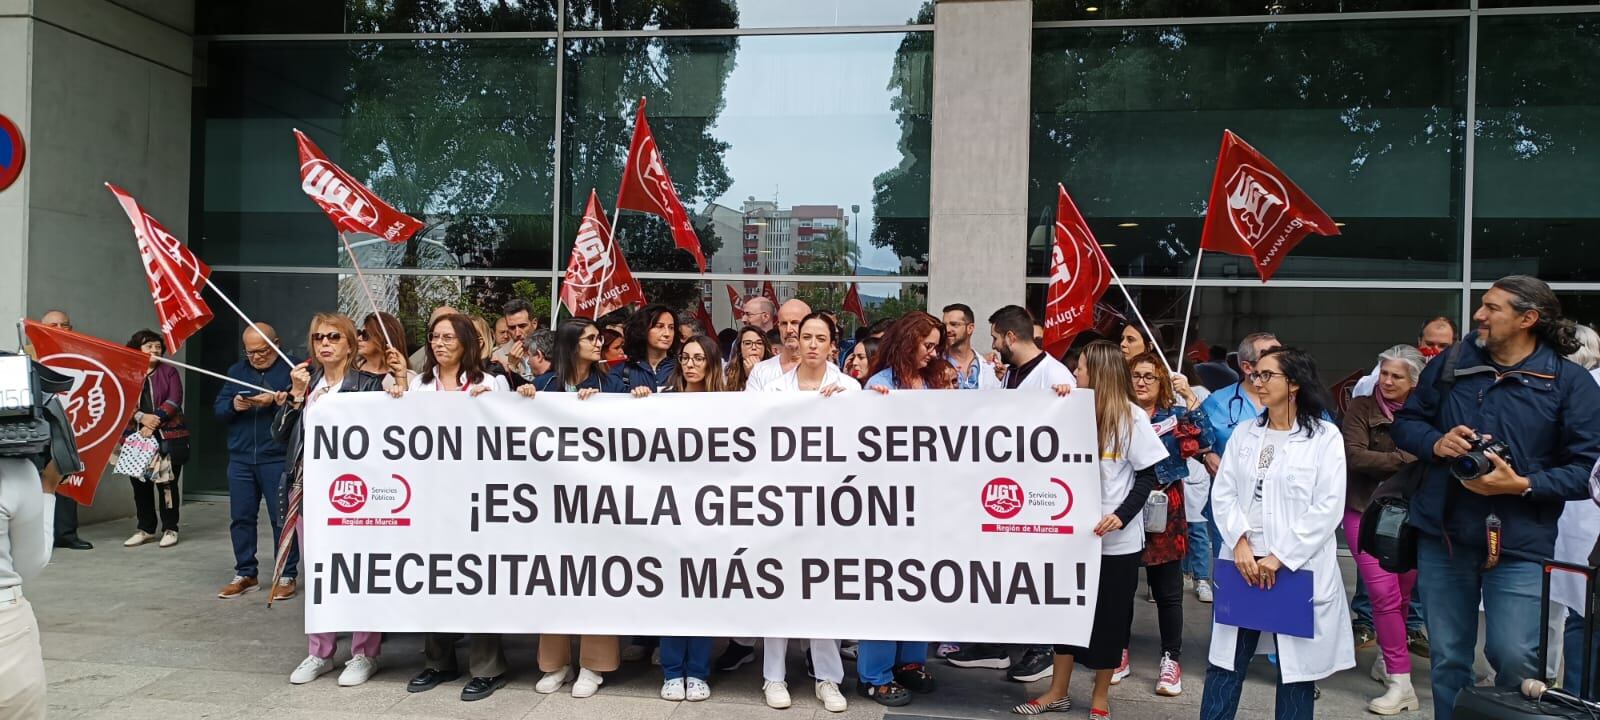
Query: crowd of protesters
[{"x": 1245, "y": 457}]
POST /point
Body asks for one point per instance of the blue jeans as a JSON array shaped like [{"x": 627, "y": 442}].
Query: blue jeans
[
  {"x": 1450, "y": 585},
  {"x": 248, "y": 485},
  {"x": 1572, "y": 642},
  {"x": 1197, "y": 562},
  {"x": 1220, "y": 698},
  {"x": 685, "y": 657},
  {"x": 1361, "y": 607},
  {"x": 877, "y": 659}
]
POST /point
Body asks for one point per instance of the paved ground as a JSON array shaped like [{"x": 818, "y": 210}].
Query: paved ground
[{"x": 131, "y": 634}]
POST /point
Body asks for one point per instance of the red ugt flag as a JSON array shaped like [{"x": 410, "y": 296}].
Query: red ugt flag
[
  {"x": 1079, "y": 275},
  {"x": 597, "y": 280},
  {"x": 106, "y": 380},
  {"x": 647, "y": 188},
  {"x": 1255, "y": 209},
  {"x": 735, "y": 302},
  {"x": 349, "y": 204},
  {"x": 852, "y": 304},
  {"x": 174, "y": 274}
]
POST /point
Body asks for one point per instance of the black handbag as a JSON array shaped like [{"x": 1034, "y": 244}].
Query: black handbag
[{"x": 1386, "y": 531}]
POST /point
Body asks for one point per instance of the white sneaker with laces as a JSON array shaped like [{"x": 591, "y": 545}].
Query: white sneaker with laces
[
  {"x": 169, "y": 538},
  {"x": 832, "y": 699},
  {"x": 552, "y": 681},
  {"x": 138, "y": 538},
  {"x": 310, "y": 669},
  {"x": 1171, "y": 682},
  {"x": 1202, "y": 590},
  {"x": 698, "y": 691},
  {"x": 357, "y": 671},
  {"x": 587, "y": 684},
  {"x": 672, "y": 690},
  {"x": 777, "y": 694}
]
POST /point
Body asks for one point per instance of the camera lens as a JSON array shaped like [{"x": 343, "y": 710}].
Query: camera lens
[{"x": 1470, "y": 466}]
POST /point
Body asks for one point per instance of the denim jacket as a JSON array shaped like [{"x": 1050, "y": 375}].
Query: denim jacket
[{"x": 1187, "y": 434}]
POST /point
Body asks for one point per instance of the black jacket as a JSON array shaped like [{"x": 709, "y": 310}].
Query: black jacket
[{"x": 286, "y": 426}]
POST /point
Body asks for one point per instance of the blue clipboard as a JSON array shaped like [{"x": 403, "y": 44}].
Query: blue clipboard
[{"x": 1286, "y": 609}]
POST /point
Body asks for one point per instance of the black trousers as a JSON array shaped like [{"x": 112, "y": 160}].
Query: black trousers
[
  {"x": 151, "y": 501},
  {"x": 66, "y": 518},
  {"x": 1113, "y": 614},
  {"x": 1166, "y": 584}
]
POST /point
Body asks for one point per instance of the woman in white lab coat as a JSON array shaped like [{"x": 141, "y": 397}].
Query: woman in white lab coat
[{"x": 1278, "y": 498}]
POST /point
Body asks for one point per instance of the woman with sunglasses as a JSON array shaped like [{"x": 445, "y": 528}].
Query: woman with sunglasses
[
  {"x": 1129, "y": 452},
  {"x": 576, "y": 369},
  {"x": 753, "y": 347},
  {"x": 1279, "y": 498},
  {"x": 891, "y": 670},
  {"x": 1186, "y": 434},
  {"x": 686, "y": 661},
  {"x": 375, "y": 355},
  {"x": 818, "y": 337},
  {"x": 332, "y": 341}
]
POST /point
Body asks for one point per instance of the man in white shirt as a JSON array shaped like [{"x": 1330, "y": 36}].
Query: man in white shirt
[
  {"x": 769, "y": 370},
  {"x": 1030, "y": 367},
  {"x": 972, "y": 371}
]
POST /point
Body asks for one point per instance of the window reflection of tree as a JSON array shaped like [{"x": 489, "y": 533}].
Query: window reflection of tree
[{"x": 900, "y": 194}]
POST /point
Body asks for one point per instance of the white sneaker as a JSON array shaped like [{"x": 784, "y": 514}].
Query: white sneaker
[
  {"x": 587, "y": 684},
  {"x": 169, "y": 538},
  {"x": 1399, "y": 698},
  {"x": 1170, "y": 682},
  {"x": 832, "y": 699},
  {"x": 1202, "y": 590},
  {"x": 357, "y": 671},
  {"x": 139, "y": 537},
  {"x": 552, "y": 681},
  {"x": 777, "y": 694},
  {"x": 1188, "y": 582},
  {"x": 1379, "y": 672},
  {"x": 310, "y": 669},
  {"x": 699, "y": 691},
  {"x": 672, "y": 690}
]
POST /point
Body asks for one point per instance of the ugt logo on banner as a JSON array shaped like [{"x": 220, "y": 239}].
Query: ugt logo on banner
[{"x": 350, "y": 495}]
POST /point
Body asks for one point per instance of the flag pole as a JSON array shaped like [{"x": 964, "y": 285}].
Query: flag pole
[
  {"x": 1194, "y": 285},
  {"x": 218, "y": 376},
  {"x": 1137, "y": 314},
  {"x": 247, "y": 321},
  {"x": 361, "y": 278}
]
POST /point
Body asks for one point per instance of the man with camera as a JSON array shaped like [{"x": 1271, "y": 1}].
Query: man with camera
[{"x": 1508, "y": 437}]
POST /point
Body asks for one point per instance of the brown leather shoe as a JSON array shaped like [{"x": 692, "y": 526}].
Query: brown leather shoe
[
  {"x": 239, "y": 586},
  {"x": 283, "y": 590}
]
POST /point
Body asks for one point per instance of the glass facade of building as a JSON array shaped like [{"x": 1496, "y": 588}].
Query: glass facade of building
[{"x": 1454, "y": 141}]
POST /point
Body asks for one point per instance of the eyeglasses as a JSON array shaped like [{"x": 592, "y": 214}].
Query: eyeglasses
[
  {"x": 691, "y": 359},
  {"x": 1144, "y": 378},
  {"x": 330, "y": 337},
  {"x": 446, "y": 340},
  {"x": 263, "y": 352},
  {"x": 590, "y": 339},
  {"x": 361, "y": 335},
  {"x": 751, "y": 343},
  {"x": 1264, "y": 376}
]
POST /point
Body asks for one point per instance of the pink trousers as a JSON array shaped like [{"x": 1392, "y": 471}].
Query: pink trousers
[
  {"x": 324, "y": 644},
  {"x": 1390, "y": 595}
]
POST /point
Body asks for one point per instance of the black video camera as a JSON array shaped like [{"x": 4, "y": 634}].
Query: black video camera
[{"x": 1475, "y": 463}]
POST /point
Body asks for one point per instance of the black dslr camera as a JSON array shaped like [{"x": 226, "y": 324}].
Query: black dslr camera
[{"x": 1475, "y": 463}]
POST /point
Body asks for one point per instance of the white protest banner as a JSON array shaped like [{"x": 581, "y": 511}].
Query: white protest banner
[{"x": 912, "y": 516}]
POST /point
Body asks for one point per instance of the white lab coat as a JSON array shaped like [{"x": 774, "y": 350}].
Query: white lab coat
[{"x": 1303, "y": 504}]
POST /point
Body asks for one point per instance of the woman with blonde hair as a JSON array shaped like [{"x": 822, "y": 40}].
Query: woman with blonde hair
[
  {"x": 1129, "y": 452},
  {"x": 331, "y": 340}
]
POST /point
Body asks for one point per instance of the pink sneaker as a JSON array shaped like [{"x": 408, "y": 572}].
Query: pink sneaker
[
  {"x": 1122, "y": 670},
  {"x": 1171, "y": 682}
]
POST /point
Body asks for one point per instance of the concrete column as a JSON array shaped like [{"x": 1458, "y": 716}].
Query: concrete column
[
  {"x": 105, "y": 97},
  {"x": 982, "y": 60},
  {"x": 16, "y": 43}
]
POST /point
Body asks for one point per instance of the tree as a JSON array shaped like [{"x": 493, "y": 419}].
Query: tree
[{"x": 900, "y": 194}]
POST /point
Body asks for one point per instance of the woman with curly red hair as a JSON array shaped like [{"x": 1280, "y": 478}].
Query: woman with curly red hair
[{"x": 906, "y": 354}]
